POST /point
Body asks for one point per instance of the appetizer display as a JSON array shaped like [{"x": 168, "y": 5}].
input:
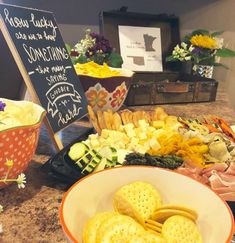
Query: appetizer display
[
  {"x": 140, "y": 216},
  {"x": 201, "y": 148}
]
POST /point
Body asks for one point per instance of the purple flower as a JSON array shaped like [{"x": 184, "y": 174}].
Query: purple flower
[
  {"x": 101, "y": 44},
  {"x": 2, "y": 105},
  {"x": 196, "y": 50}
]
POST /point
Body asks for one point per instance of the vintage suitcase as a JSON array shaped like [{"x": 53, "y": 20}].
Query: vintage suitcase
[{"x": 171, "y": 85}]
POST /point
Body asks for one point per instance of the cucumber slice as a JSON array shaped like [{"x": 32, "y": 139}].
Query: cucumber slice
[
  {"x": 109, "y": 163},
  {"x": 86, "y": 158},
  {"x": 109, "y": 153},
  {"x": 114, "y": 155},
  {"x": 77, "y": 150},
  {"x": 92, "y": 164},
  {"x": 101, "y": 165}
]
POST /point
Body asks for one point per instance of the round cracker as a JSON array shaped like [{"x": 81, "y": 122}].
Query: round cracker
[
  {"x": 180, "y": 230},
  {"x": 90, "y": 228},
  {"x": 179, "y": 207},
  {"x": 138, "y": 200},
  {"x": 163, "y": 214},
  {"x": 153, "y": 227},
  {"x": 118, "y": 228},
  {"x": 147, "y": 237},
  {"x": 150, "y": 221}
]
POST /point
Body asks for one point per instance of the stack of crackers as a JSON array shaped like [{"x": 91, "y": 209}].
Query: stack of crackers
[
  {"x": 140, "y": 216},
  {"x": 114, "y": 120}
]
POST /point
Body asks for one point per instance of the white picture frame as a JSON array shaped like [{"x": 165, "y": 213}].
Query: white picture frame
[{"x": 140, "y": 48}]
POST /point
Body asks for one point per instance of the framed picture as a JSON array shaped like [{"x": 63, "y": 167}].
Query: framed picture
[
  {"x": 146, "y": 38},
  {"x": 140, "y": 48}
]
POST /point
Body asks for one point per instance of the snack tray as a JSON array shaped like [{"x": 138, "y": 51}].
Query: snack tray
[{"x": 62, "y": 168}]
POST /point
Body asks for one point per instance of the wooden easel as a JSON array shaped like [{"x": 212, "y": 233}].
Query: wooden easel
[
  {"x": 26, "y": 77},
  {"x": 55, "y": 138}
]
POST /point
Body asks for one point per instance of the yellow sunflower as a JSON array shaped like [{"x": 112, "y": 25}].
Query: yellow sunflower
[{"x": 204, "y": 41}]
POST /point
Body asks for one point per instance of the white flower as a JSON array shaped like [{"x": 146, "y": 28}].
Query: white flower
[
  {"x": 191, "y": 48},
  {"x": 177, "y": 47},
  {"x": 187, "y": 58},
  {"x": 21, "y": 180},
  {"x": 184, "y": 45},
  {"x": 1, "y": 208}
]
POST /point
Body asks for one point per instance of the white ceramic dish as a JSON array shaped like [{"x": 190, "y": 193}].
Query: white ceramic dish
[{"x": 94, "y": 193}]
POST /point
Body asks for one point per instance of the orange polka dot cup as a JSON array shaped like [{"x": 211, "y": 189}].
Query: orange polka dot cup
[
  {"x": 107, "y": 93},
  {"x": 19, "y": 132}
]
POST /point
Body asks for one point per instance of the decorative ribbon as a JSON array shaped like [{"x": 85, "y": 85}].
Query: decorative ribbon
[{"x": 59, "y": 92}]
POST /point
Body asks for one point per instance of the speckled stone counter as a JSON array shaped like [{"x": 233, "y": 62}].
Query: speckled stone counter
[{"x": 31, "y": 214}]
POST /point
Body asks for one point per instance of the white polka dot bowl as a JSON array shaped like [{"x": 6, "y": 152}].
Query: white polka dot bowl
[{"x": 18, "y": 142}]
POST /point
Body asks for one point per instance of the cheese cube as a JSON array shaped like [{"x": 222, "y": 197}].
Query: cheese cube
[
  {"x": 93, "y": 136},
  {"x": 128, "y": 127},
  {"x": 151, "y": 129},
  {"x": 158, "y": 124},
  {"x": 105, "y": 133},
  {"x": 154, "y": 144},
  {"x": 131, "y": 134},
  {"x": 158, "y": 133},
  {"x": 121, "y": 128},
  {"x": 94, "y": 143},
  {"x": 143, "y": 123},
  {"x": 142, "y": 135},
  {"x": 134, "y": 140},
  {"x": 140, "y": 149}
]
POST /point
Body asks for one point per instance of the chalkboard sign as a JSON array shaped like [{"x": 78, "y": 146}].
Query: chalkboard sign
[
  {"x": 40, "y": 53},
  {"x": 11, "y": 81}
]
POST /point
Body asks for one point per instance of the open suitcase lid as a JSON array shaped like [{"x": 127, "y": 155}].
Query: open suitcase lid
[{"x": 169, "y": 29}]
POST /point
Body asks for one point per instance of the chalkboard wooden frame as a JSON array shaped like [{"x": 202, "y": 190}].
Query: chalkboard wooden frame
[{"x": 72, "y": 103}]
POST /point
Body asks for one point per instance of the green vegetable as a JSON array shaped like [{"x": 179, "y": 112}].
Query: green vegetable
[
  {"x": 168, "y": 161},
  {"x": 77, "y": 150},
  {"x": 92, "y": 164}
]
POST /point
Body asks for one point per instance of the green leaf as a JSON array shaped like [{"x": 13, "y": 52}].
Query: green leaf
[
  {"x": 170, "y": 59},
  {"x": 200, "y": 32},
  {"x": 187, "y": 38},
  {"x": 79, "y": 59},
  {"x": 115, "y": 60},
  {"x": 68, "y": 48},
  {"x": 217, "y": 33},
  {"x": 225, "y": 52},
  {"x": 216, "y": 64}
]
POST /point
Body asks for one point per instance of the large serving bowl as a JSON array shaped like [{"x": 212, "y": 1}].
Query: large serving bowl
[
  {"x": 94, "y": 193},
  {"x": 19, "y": 143},
  {"x": 107, "y": 93}
]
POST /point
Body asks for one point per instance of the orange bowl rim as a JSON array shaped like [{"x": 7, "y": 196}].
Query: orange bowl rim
[{"x": 71, "y": 237}]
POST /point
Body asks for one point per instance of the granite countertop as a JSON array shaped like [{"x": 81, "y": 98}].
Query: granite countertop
[{"x": 31, "y": 214}]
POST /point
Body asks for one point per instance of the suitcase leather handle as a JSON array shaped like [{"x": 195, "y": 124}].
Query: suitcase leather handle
[{"x": 173, "y": 88}]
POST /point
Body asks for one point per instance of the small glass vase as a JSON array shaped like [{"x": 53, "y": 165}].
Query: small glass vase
[
  {"x": 205, "y": 71},
  {"x": 186, "y": 67}
]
